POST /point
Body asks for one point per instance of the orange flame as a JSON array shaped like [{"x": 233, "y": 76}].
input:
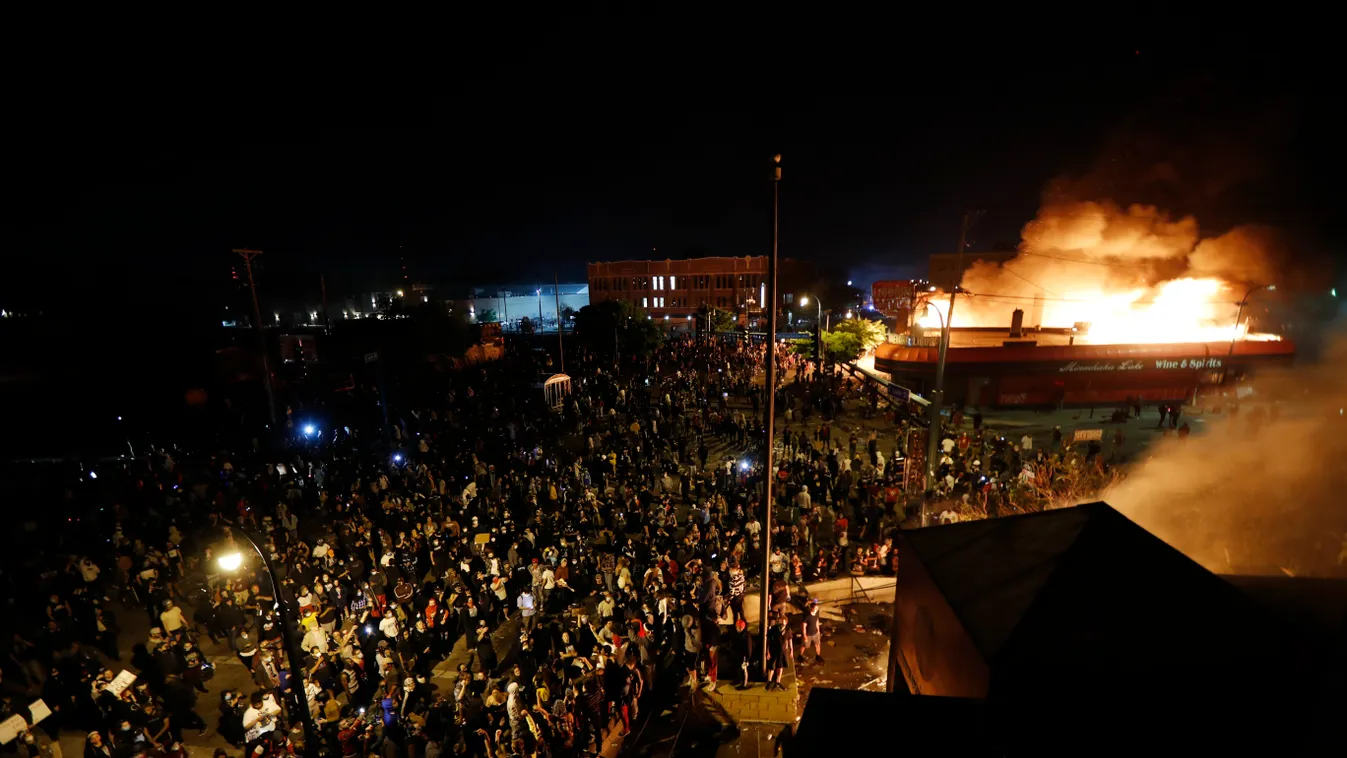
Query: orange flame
[{"x": 1130, "y": 275}]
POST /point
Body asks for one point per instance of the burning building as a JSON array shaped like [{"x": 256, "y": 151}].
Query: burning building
[{"x": 1101, "y": 305}]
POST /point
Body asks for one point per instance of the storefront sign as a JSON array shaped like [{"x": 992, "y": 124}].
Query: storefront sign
[
  {"x": 1080, "y": 367},
  {"x": 1179, "y": 364}
]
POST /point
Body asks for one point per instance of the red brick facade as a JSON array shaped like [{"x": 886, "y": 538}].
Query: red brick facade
[{"x": 678, "y": 288}]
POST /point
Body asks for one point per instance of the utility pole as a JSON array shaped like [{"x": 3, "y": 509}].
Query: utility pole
[
  {"x": 766, "y": 594},
  {"x": 561, "y": 326},
  {"x": 938, "y": 395},
  {"x": 248, "y": 256},
  {"x": 327, "y": 324}
]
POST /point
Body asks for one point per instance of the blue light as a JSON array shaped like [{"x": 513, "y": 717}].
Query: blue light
[
  {"x": 309, "y": 430},
  {"x": 397, "y": 457}
]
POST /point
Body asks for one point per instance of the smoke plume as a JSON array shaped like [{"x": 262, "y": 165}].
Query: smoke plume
[{"x": 1244, "y": 498}]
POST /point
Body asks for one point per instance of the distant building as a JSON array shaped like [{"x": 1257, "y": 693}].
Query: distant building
[
  {"x": 510, "y": 304},
  {"x": 946, "y": 273},
  {"x": 673, "y": 291}
]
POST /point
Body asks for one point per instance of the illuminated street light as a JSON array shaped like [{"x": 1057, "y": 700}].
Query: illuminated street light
[
  {"x": 399, "y": 293},
  {"x": 849, "y": 314},
  {"x": 231, "y": 562}
]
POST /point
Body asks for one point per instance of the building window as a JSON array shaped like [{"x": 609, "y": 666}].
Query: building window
[
  {"x": 645, "y": 302},
  {"x": 673, "y": 282},
  {"x": 788, "y": 298}
]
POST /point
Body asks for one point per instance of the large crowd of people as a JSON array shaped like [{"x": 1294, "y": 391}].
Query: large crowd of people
[{"x": 486, "y": 575}]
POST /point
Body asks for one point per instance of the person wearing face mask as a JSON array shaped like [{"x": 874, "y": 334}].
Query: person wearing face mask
[
  {"x": 231, "y": 718},
  {"x": 96, "y": 747},
  {"x": 128, "y": 740}
]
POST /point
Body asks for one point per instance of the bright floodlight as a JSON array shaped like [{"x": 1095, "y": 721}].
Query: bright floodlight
[
  {"x": 397, "y": 457},
  {"x": 804, "y": 300},
  {"x": 230, "y": 561},
  {"x": 309, "y": 430}
]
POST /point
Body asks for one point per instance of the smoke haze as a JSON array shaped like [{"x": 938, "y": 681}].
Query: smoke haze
[{"x": 1255, "y": 502}]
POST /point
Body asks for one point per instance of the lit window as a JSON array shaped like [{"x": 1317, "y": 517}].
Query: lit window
[
  {"x": 645, "y": 302},
  {"x": 673, "y": 282}
]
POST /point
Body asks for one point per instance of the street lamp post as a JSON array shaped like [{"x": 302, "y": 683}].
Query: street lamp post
[
  {"x": 765, "y": 592},
  {"x": 818, "y": 330},
  {"x": 313, "y": 745},
  {"x": 938, "y": 394}
]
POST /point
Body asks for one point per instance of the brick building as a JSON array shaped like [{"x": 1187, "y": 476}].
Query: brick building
[{"x": 673, "y": 291}]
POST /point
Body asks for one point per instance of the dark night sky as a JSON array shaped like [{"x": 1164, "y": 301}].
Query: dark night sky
[{"x": 485, "y": 174}]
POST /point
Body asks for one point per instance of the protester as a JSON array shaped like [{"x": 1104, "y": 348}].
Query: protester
[{"x": 569, "y": 560}]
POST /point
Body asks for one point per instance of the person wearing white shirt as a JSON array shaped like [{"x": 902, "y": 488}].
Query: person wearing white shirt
[
  {"x": 388, "y": 626},
  {"x": 526, "y": 610},
  {"x": 549, "y": 584},
  {"x": 172, "y": 617},
  {"x": 606, "y": 605}
]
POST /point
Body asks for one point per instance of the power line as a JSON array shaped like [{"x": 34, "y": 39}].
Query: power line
[{"x": 1036, "y": 284}]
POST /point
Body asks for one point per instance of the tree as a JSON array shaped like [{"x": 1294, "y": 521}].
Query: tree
[
  {"x": 841, "y": 346},
  {"x": 487, "y": 316},
  {"x": 803, "y": 346},
  {"x": 868, "y": 333},
  {"x": 617, "y": 324},
  {"x": 721, "y": 320}
]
